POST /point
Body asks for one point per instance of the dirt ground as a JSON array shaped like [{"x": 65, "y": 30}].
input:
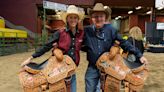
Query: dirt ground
[{"x": 10, "y": 65}]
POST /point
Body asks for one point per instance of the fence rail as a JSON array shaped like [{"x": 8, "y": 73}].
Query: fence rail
[{"x": 13, "y": 44}]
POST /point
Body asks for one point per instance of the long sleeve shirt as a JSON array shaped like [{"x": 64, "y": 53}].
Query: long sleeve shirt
[
  {"x": 70, "y": 44},
  {"x": 98, "y": 41}
]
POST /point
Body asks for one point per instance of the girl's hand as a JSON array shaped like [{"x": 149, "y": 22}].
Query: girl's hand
[
  {"x": 26, "y": 61},
  {"x": 143, "y": 60}
]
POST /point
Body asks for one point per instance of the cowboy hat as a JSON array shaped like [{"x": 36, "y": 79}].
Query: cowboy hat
[
  {"x": 99, "y": 7},
  {"x": 72, "y": 9}
]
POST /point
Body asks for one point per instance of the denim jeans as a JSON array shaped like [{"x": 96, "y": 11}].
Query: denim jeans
[
  {"x": 73, "y": 83},
  {"x": 92, "y": 79}
]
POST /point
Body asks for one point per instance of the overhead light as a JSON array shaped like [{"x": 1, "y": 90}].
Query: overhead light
[
  {"x": 119, "y": 16},
  {"x": 138, "y": 7},
  {"x": 149, "y": 12},
  {"x": 160, "y": 8},
  {"x": 116, "y": 18},
  {"x": 130, "y": 12},
  {"x": 105, "y": 7}
]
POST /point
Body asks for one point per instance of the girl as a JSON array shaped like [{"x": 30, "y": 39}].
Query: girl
[
  {"x": 69, "y": 40},
  {"x": 135, "y": 37}
]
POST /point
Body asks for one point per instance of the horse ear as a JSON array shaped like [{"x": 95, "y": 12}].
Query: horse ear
[
  {"x": 114, "y": 50},
  {"x": 58, "y": 54}
]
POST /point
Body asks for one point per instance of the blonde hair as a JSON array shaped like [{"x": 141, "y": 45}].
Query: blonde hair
[{"x": 136, "y": 33}]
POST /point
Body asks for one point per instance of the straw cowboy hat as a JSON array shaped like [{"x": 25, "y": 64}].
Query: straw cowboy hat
[
  {"x": 72, "y": 9},
  {"x": 99, "y": 7}
]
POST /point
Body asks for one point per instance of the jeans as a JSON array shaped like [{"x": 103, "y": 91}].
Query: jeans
[
  {"x": 73, "y": 83},
  {"x": 92, "y": 79}
]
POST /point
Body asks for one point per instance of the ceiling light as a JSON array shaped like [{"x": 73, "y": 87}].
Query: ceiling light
[
  {"x": 139, "y": 7},
  {"x": 119, "y": 16},
  {"x": 130, "y": 12},
  {"x": 116, "y": 18},
  {"x": 105, "y": 7},
  {"x": 149, "y": 12}
]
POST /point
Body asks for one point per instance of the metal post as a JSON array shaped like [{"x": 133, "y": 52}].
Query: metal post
[
  {"x": 17, "y": 44},
  {"x": 44, "y": 32},
  {"x": 3, "y": 43},
  {"x": 153, "y": 14}
]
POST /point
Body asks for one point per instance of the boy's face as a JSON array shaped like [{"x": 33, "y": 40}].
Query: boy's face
[{"x": 98, "y": 19}]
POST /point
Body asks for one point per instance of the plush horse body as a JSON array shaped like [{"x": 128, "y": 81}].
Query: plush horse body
[
  {"x": 53, "y": 75},
  {"x": 118, "y": 74}
]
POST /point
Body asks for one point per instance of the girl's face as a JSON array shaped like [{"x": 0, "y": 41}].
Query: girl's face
[{"x": 72, "y": 20}]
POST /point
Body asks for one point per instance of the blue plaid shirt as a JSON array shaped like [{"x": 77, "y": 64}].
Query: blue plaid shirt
[{"x": 98, "y": 41}]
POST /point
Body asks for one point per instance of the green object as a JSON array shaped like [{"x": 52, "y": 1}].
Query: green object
[{"x": 125, "y": 37}]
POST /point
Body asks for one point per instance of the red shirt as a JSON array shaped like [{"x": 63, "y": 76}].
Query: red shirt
[{"x": 63, "y": 38}]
